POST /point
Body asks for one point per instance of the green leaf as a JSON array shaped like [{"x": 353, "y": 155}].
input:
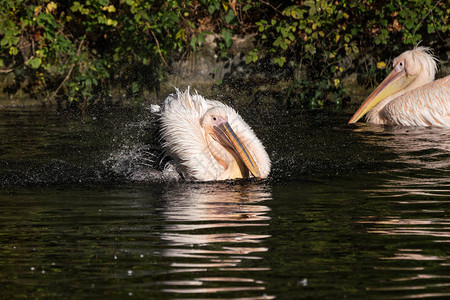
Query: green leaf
[
  {"x": 193, "y": 43},
  {"x": 34, "y": 62},
  {"x": 230, "y": 18},
  {"x": 135, "y": 87},
  {"x": 4, "y": 41},
  {"x": 310, "y": 3},
  {"x": 227, "y": 37},
  {"x": 280, "y": 60}
]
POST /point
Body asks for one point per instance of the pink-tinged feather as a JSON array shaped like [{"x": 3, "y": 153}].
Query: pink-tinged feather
[
  {"x": 410, "y": 96},
  {"x": 428, "y": 105},
  {"x": 197, "y": 155}
]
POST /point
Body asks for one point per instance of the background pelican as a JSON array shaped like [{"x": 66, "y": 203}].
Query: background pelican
[
  {"x": 408, "y": 96},
  {"x": 209, "y": 140}
]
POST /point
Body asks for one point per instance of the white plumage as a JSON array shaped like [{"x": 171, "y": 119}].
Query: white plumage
[
  {"x": 409, "y": 96},
  {"x": 209, "y": 140},
  {"x": 425, "y": 106}
]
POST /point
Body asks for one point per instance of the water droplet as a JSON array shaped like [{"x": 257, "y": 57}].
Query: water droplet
[{"x": 303, "y": 282}]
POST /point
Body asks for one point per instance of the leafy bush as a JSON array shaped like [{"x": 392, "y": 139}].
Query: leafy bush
[
  {"x": 79, "y": 46},
  {"x": 78, "y": 49},
  {"x": 318, "y": 36}
]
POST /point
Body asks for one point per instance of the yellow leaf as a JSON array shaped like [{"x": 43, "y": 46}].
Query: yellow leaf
[
  {"x": 37, "y": 10},
  {"x": 336, "y": 82},
  {"x": 13, "y": 51},
  {"x": 337, "y": 37},
  {"x": 109, "y": 8},
  {"x": 346, "y": 15},
  {"x": 51, "y": 7},
  {"x": 381, "y": 65}
]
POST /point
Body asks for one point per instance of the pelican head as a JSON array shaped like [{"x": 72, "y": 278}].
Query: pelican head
[
  {"x": 412, "y": 69},
  {"x": 226, "y": 145}
]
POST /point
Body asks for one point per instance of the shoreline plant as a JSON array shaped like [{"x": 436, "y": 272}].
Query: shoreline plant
[{"x": 75, "y": 51}]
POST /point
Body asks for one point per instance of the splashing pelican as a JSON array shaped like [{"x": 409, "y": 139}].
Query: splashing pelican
[
  {"x": 209, "y": 140},
  {"x": 408, "y": 96}
]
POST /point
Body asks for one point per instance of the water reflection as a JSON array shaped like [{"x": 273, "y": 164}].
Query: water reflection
[
  {"x": 414, "y": 198},
  {"x": 215, "y": 235},
  {"x": 417, "y": 149}
]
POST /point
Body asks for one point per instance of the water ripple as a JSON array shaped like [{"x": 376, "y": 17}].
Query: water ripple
[{"x": 233, "y": 212}]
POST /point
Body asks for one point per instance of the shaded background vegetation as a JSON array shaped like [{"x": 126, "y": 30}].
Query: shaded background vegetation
[{"x": 81, "y": 51}]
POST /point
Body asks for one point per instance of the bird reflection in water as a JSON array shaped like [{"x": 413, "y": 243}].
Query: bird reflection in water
[
  {"x": 214, "y": 234},
  {"x": 412, "y": 199},
  {"x": 421, "y": 162}
]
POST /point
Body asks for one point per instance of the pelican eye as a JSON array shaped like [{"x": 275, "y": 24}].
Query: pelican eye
[{"x": 214, "y": 118}]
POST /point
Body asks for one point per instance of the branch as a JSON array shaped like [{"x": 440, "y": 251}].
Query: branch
[
  {"x": 417, "y": 27},
  {"x": 273, "y": 7},
  {"x": 8, "y": 70},
  {"x": 159, "y": 49},
  {"x": 68, "y": 74}
]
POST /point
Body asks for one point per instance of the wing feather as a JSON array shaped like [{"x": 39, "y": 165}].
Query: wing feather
[{"x": 184, "y": 138}]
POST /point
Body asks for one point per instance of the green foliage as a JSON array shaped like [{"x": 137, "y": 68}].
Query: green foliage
[
  {"x": 77, "y": 49},
  {"x": 320, "y": 34}
]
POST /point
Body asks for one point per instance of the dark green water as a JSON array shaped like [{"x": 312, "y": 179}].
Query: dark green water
[{"x": 359, "y": 212}]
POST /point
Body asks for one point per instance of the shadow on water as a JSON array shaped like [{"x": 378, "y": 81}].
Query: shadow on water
[{"x": 356, "y": 212}]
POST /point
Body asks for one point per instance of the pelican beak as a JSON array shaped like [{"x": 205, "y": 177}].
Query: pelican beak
[
  {"x": 229, "y": 137},
  {"x": 396, "y": 81}
]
